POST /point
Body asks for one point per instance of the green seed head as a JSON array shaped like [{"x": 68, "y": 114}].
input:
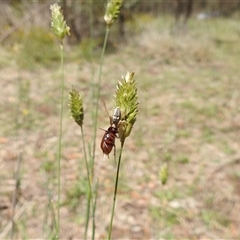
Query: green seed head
[
  {"x": 127, "y": 100},
  {"x": 76, "y": 106},
  {"x": 58, "y": 24},
  {"x": 112, "y": 11},
  {"x": 163, "y": 173}
]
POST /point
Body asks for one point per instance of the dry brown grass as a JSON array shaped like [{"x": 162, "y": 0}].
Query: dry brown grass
[{"x": 189, "y": 117}]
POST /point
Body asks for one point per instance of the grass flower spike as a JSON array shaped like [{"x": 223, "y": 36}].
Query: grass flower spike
[
  {"x": 76, "y": 106},
  {"x": 58, "y": 24},
  {"x": 127, "y": 100},
  {"x": 112, "y": 11},
  {"x": 163, "y": 173}
]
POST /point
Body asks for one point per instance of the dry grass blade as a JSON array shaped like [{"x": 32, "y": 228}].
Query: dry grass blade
[{"x": 15, "y": 218}]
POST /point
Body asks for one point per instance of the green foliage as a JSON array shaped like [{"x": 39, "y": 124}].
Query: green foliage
[
  {"x": 86, "y": 47},
  {"x": 49, "y": 166},
  {"x": 214, "y": 218},
  {"x": 38, "y": 48},
  {"x": 22, "y": 227},
  {"x": 23, "y": 117},
  {"x": 169, "y": 218},
  {"x": 6, "y": 56},
  {"x": 169, "y": 194},
  {"x": 182, "y": 159},
  {"x": 75, "y": 193},
  {"x": 167, "y": 157},
  {"x": 236, "y": 175},
  {"x": 208, "y": 134}
]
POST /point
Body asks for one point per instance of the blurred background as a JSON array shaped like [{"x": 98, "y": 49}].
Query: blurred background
[{"x": 186, "y": 58}]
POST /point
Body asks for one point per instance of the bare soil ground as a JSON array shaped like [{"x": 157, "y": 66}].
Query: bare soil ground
[{"x": 189, "y": 118}]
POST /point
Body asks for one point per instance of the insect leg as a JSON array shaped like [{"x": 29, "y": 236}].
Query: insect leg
[
  {"x": 105, "y": 107},
  {"x": 103, "y": 129}
]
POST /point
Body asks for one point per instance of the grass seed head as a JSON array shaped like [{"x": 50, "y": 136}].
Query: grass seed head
[
  {"x": 112, "y": 11},
  {"x": 76, "y": 106},
  {"x": 163, "y": 173},
  {"x": 127, "y": 100},
  {"x": 58, "y": 24}
]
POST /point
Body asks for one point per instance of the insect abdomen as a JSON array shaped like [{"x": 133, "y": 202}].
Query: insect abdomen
[{"x": 108, "y": 140}]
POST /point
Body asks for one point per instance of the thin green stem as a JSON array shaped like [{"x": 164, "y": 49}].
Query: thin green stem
[
  {"x": 95, "y": 130},
  {"x": 55, "y": 236},
  {"x": 94, "y": 205},
  {"x": 97, "y": 98},
  {"x": 89, "y": 166},
  {"x": 60, "y": 143},
  {"x": 89, "y": 192},
  {"x": 45, "y": 227},
  {"x": 91, "y": 196},
  {"x": 90, "y": 14},
  {"x": 115, "y": 192},
  {"x": 85, "y": 157},
  {"x": 15, "y": 193}
]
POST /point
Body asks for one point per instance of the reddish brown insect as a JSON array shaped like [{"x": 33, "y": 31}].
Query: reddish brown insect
[{"x": 108, "y": 140}]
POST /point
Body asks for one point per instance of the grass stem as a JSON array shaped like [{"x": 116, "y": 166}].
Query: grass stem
[
  {"x": 115, "y": 192},
  {"x": 95, "y": 115},
  {"x": 89, "y": 192},
  {"x": 97, "y": 98},
  {"x": 94, "y": 205},
  {"x": 60, "y": 144},
  {"x": 16, "y": 192}
]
